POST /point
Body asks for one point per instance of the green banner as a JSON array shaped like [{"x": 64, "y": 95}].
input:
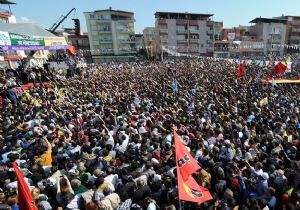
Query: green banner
[{"x": 23, "y": 40}]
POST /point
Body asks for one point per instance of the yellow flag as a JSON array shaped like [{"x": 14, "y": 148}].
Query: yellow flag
[
  {"x": 60, "y": 93},
  {"x": 263, "y": 101},
  {"x": 28, "y": 96},
  {"x": 284, "y": 134}
]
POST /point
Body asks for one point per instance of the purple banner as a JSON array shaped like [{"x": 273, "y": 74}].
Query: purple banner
[{"x": 11, "y": 48}]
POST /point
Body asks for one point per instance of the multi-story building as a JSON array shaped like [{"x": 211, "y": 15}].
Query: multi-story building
[
  {"x": 149, "y": 41},
  {"x": 221, "y": 46},
  {"x": 111, "y": 34},
  {"x": 272, "y": 31},
  {"x": 186, "y": 33},
  {"x": 292, "y": 36}
]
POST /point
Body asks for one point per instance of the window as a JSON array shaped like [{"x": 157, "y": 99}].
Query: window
[
  {"x": 104, "y": 17},
  {"x": 180, "y": 37},
  {"x": 92, "y": 16}
]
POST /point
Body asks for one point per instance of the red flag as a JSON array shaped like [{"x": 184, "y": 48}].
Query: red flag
[
  {"x": 71, "y": 50},
  {"x": 241, "y": 70},
  {"x": 25, "y": 199},
  {"x": 279, "y": 68},
  {"x": 186, "y": 165}
]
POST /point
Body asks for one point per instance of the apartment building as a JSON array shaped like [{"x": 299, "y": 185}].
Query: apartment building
[
  {"x": 149, "y": 41},
  {"x": 186, "y": 33},
  {"x": 272, "y": 32},
  {"x": 292, "y": 35},
  {"x": 111, "y": 34}
]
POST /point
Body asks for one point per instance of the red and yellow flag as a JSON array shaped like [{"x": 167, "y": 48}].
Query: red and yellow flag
[
  {"x": 25, "y": 199},
  {"x": 186, "y": 165}
]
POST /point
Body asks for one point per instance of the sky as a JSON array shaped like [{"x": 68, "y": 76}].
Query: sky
[{"x": 231, "y": 12}]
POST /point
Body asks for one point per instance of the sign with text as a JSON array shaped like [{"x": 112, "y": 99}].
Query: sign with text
[
  {"x": 4, "y": 38},
  {"x": 23, "y": 40}
]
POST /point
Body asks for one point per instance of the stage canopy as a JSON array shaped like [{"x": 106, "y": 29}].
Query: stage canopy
[{"x": 28, "y": 36}]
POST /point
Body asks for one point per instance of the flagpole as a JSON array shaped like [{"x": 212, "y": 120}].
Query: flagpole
[{"x": 180, "y": 207}]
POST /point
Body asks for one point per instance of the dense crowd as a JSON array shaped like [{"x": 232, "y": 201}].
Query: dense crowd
[{"x": 103, "y": 138}]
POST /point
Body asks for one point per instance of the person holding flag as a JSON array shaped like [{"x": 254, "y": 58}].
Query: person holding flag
[
  {"x": 241, "y": 70},
  {"x": 25, "y": 199},
  {"x": 186, "y": 165}
]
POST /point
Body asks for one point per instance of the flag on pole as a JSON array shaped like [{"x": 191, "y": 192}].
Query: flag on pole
[
  {"x": 241, "y": 70},
  {"x": 273, "y": 82},
  {"x": 186, "y": 165},
  {"x": 175, "y": 89},
  {"x": 258, "y": 77},
  {"x": 279, "y": 68},
  {"x": 25, "y": 199}
]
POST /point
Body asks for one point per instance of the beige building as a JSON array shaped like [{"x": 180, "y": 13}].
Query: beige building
[
  {"x": 292, "y": 36},
  {"x": 111, "y": 34},
  {"x": 186, "y": 33}
]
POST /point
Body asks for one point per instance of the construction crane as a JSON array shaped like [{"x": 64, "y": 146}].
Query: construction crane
[{"x": 59, "y": 21}]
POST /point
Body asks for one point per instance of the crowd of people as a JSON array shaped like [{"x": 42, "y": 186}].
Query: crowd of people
[{"x": 103, "y": 138}]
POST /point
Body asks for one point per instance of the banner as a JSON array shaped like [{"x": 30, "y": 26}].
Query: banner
[
  {"x": 4, "y": 38},
  {"x": 55, "y": 41},
  {"x": 23, "y": 40},
  {"x": 11, "y": 48}
]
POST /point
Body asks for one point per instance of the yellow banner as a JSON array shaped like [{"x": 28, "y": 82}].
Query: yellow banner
[
  {"x": 279, "y": 81},
  {"x": 55, "y": 41}
]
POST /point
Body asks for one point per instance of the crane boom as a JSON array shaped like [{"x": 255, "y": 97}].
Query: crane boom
[{"x": 60, "y": 20}]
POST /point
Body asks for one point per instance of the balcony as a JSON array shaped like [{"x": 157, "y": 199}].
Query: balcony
[
  {"x": 209, "y": 42},
  {"x": 295, "y": 30},
  {"x": 183, "y": 49},
  {"x": 128, "y": 20},
  {"x": 183, "y": 22},
  {"x": 221, "y": 49},
  {"x": 127, "y": 50},
  {"x": 162, "y": 21},
  {"x": 104, "y": 31},
  {"x": 193, "y": 22},
  {"x": 164, "y": 39},
  {"x": 194, "y": 50},
  {"x": 181, "y": 31},
  {"x": 210, "y": 23},
  {"x": 126, "y": 31},
  {"x": 194, "y": 31},
  {"x": 194, "y": 40},
  {"x": 210, "y": 32},
  {"x": 274, "y": 41},
  {"x": 106, "y": 51},
  {"x": 163, "y": 31},
  {"x": 105, "y": 40},
  {"x": 182, "y": 41},
  {"x": 210, "y": 49},
  {"x": 127, "y": 41},
  {"x": 295, "y": 38}
]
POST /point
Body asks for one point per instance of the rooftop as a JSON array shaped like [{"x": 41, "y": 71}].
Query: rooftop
[
  {"x": 267, "y": 20},
  {"x": 110, "y": 10},
  {"x": 182, "y": 16},
  {"x": 6, "y": 2},
  {"x": 29, "y": 29},
  {"x": 183, "y": 13}
]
